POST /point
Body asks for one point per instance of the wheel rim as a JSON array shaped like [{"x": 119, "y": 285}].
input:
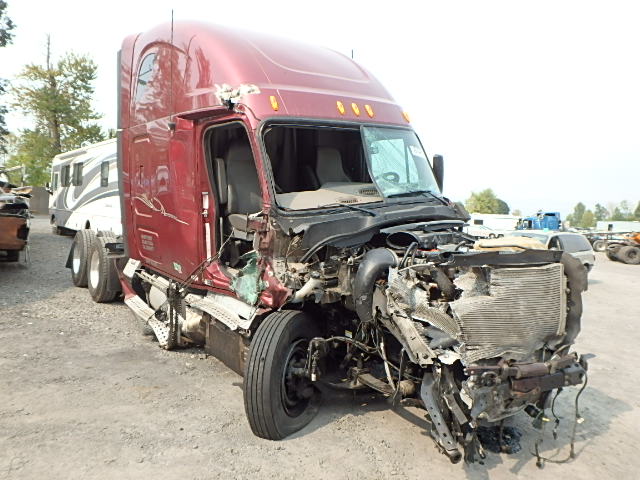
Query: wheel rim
[
  {"x": 75, "y": 262},
  {"x": 296, "y": 390},
  {"x": 94, "y": 270}
]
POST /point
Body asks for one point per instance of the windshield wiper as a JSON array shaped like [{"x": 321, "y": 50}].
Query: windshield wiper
[
  {"x": 350, "y": 207},
  {"x": 418, "y": 192}
]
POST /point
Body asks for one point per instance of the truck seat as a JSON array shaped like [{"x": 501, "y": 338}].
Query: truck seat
[
  {"x": 329, "y": 166},
  {"x": 243, "y": 188}
]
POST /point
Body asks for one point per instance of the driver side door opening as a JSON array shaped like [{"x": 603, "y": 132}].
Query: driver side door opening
[{"x": 234, "y": 178}]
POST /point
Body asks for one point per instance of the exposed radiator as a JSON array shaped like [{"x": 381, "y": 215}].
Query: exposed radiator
[{"x": 510, "y": 312}]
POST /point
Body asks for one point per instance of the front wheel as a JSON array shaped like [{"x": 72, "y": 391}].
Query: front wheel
[
  {"x": 278, "y": 398},
  {"x": 599, "y": 245}
]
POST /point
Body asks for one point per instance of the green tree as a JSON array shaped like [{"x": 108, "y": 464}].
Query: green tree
[
  {"x": 484, "y": 202},
  {"x": 636, "y": 212},
  {"x": 6, "y": 37},
  {"x": 34, "y": 150},
  {"x": 576, "y": 217},
  {"x": 625, "y": 210},
  {"x": 618, "y": 214},
  {"x": 58, "y": 98},
  {"x": 516, "y": 212},
  {"x": 588, "y": 219},
  {"x": 600, "y": 212},
  {"x": 503, "y": 208}
]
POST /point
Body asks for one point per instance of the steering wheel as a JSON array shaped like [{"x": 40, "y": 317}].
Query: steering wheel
[{"x": 392, "y": 177}]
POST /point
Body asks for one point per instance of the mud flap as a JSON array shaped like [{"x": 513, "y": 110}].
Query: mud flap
[
  {"x": 69, "y": 261},
  {"x": 445, "y": 439}
]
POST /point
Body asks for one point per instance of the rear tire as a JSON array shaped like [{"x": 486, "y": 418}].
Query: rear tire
[
  {"x": 629, "y": 254},
  {"x": 599, "y": 245},
  {"x": 612, "y": 252},
  {"x": 103, "y": 281},
  {"x": 82, "y": 244},
  {"x": 278, "y": 403}
]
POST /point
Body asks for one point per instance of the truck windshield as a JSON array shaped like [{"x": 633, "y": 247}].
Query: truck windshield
[
  {"x": 320, "y": 166},
  {"x": 397, "y": 161}
]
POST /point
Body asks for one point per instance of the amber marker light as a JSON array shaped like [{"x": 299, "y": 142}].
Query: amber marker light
[
  {"x": 274, "y": 103},
  {"x": 406, "y": 116},
  {"x": 340, "y": 106},
  {"x": 369, "y": 110},
  {"x": 355, "y": 109}
]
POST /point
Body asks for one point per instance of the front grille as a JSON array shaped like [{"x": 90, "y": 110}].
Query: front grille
[{"x": 510, "y": 312}]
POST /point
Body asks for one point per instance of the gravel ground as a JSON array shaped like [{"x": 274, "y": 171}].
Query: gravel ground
[{"x": 84, "y": 395}]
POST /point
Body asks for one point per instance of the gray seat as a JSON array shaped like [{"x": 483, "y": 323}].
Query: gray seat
[
  {"x": 243, "y": 187},
  {"x": 329, "y": 166}
]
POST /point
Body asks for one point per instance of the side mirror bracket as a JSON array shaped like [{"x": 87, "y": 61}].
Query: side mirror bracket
[{"x": 437, "y": 166}]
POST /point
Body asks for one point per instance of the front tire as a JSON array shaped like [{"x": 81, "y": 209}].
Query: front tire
[
  {"x": 103, "y": 282},
  {"x": 278, "y": 402},
  {"x": 599, "y": 245},
  {"x": 82, "y": 244}
]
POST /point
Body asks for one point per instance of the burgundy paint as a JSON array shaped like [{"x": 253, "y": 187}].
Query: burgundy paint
[{"x": 167, "y": 166}]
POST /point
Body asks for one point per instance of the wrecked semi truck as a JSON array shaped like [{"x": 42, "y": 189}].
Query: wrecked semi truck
[{"x": 279, "y": 210}]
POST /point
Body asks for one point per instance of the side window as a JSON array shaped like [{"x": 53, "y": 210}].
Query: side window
[
  {"x": 77, "y": 174},
  {"x": 66, "y": 175},
  {"x": 54, "y": 183},
  {"x": 575, "y": 243},
  {"x": 104, "y": 174},
  {"x": 145, "y": 75}
]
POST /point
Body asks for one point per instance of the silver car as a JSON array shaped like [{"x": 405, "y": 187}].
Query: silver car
[{"x": 573, "y": 243}]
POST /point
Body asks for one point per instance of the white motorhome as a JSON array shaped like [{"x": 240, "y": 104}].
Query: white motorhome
[
  {"x": 84, "y": 190},
  {"x": 491, "y": 224}
]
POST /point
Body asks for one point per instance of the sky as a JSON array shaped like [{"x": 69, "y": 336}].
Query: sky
[{"x": 539, "y": 101}]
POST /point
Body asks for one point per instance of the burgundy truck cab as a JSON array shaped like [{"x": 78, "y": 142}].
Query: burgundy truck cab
[{"x": 279, "y": 210}]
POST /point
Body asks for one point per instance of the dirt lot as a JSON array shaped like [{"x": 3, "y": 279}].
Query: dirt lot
[{"x": 84, "y": 395}]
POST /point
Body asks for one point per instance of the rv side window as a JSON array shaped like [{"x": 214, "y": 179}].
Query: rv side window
[
  {"x": 77, "y": 174},
  {"x": 54, "y": 183},
  {"x": 66, "y": 175},
  {"x": 104, "y": 174}
]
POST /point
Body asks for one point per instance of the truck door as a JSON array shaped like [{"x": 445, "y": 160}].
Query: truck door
[{"x": 166, "y": 210}]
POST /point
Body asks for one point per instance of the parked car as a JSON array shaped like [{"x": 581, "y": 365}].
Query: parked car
[
  {"x": 574, "y": 243},
  {"x": 482, "y": 231}
]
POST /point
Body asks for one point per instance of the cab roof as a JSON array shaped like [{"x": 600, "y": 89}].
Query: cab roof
[{"x": 294, "y": 79}]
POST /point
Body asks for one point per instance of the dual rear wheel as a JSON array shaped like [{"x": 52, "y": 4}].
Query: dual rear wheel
[{"x": 91, "y": 267}]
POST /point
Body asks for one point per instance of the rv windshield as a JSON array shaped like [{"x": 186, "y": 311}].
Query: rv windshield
[
  {"x": 320, "y": 166},
  {"x": 397, "y": 161}
]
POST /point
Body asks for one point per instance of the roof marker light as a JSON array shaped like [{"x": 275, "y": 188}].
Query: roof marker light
[
  {"x": 406, "y": 116},
  {"x": 340, "y": 106},
  {"x": 369, "y": 110},
  {"x": 355, "y": 109},
  {"x": 274, "y": 103}
]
